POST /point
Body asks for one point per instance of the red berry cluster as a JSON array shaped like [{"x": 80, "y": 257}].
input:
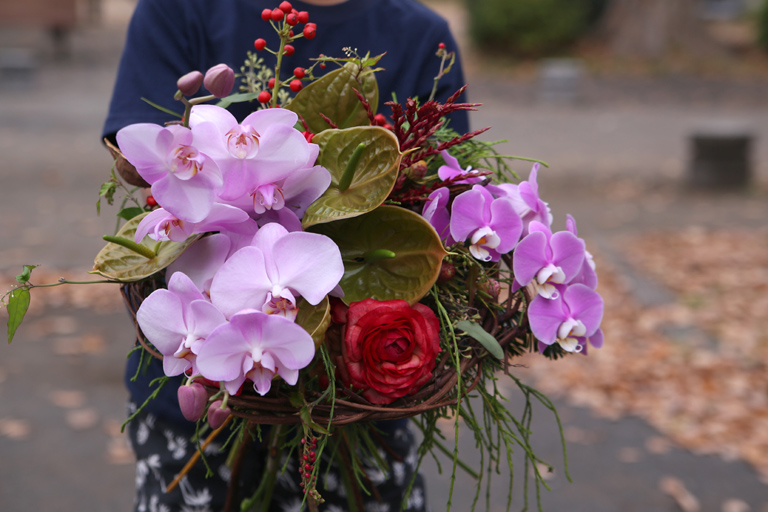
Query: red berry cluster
[{"x": 306, "y": 466}]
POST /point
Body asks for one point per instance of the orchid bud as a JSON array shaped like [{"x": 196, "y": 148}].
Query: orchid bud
[
  {"x": 217, "y": 415},
  {"x": 219, "y": 80},
  {"x": 192, "y": 400},
  {"x": 190, "y": 83}
]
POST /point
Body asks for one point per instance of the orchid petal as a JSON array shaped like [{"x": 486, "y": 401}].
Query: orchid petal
[
  {"x": 529, "y": 258},
  {"x": 241, "y": 283},
  {"x": 202, "y": 259},
  {"x": 586, "y": 305},
  {"x": 567, "y": 253},
  {"x": 545, "y": 317}
]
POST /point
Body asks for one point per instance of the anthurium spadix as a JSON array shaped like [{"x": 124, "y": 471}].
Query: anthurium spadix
[
  {"x": 491, "y": 225},
  {"x": 255, "y": 346},
  {"x": 575, "y": 313},
  {"x": 277, "y": 267},
  {"x": 183, "y": 178},
  {"x": 177, "y": 321},
  {"x": 547, "y": 259},
  {"x": 264, "y": 149}
]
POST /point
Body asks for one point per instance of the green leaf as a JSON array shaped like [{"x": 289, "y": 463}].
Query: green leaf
[
  {"x": 25, "y": 273},
  {"x": 237, "y": 98},
  {"x": 408, "y": 275},
  {"x": 122, "y": 264},
  {"x": 129, "y": 213},
  {"x": 106, "y": 191},
  {"x": 315, "y": 319},
  {"x": 475, "y": 331},
  {"x": 18, "y": 304},
  {"x": 375, "y": 172},
  {"x": 332, "y": 95}
]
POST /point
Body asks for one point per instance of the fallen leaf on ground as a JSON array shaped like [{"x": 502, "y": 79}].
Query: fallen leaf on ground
[{"x": 675, "y": 488}]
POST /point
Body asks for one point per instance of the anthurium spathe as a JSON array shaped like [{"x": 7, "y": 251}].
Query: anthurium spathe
[
  {"x": 183, "y": 178},
  {"x": 264, "y": 149},
  {"x": 276, "y": 268},
  {"x": 547, "y": 259},
  {"x": 177, "y": 321},
  {"x": 255, "y": 346},
  {"x": 491, "y": 225},
  {"x": 576, "y": 312}
]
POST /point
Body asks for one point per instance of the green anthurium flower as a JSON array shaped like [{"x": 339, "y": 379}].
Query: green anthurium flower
[
  {"x": 389, "y": 253},
  {"x": 365, "y": 160}
]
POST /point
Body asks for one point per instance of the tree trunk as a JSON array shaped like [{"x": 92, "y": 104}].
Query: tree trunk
[{"x": 653, "y": 28}]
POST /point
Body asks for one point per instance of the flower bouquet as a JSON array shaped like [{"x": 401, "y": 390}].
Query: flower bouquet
[{"x": 318, "y": 266}]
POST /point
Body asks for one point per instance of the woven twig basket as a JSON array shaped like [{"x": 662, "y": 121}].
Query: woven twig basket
[{"x": 349, "y": 407}]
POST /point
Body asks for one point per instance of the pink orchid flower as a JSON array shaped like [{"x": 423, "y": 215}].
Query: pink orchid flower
[
  {"x": 279, "y": 266},
  {"x": 453, "y": 170},
  {"x": 177, "y": 321},
  {"x": 183, "y": 178},
  {"x": 547, "y": 259},
  {"x": 262, "y": 150},
  {"x": 435, "y": 212},
  {"x": 491, "y": 225},
  {"x": 162, "y": 225},
  {"x": 586, "y": 274},
  {"x": 526, "y": 200},
  {"x": 255, "y": 346},
  {"x": 574, "y": 314}
]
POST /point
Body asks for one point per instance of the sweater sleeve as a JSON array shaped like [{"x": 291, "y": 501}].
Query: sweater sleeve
[{"x": 157, "y": 52}]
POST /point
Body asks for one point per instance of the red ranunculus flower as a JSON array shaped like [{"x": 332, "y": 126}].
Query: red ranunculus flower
[{"x": 390, "y": 348}]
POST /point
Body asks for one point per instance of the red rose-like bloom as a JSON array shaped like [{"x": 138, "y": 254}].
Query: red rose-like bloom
[{"x": 390, "y": 348}]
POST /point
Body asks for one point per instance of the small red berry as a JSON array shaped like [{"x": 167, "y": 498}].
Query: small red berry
[
  {"x": 292, "y": 19},
  {"x": 379, "y": 119},
  {"x": 322, "y": 65},
  {"x": 388, "y": 126},
  {"x": 290, "y": 33},
  {"x": 266, "y": 14},
  {"x": 296, "y": 85},
  {"x": 286, "y": 7},
  {"x": 259, "y": 44},
  {"x": 271, "y": 83},
  {"x": 151, "y": 201},
  {"x": 277, "y": 15},
  {"x": 303, "y": 16},
  {"x": 309, "y": 31},
  {"x": 264, "y": 97},
  {"x": 298, "y": 72},
  {"x": 288, "y": 50},
  {"x": 441, "y": 46}
]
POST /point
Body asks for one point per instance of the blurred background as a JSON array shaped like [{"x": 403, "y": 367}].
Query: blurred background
[{"x": 653, "y": 118}]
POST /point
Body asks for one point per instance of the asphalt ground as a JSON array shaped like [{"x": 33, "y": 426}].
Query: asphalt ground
[{"x": 618, "y": 160}]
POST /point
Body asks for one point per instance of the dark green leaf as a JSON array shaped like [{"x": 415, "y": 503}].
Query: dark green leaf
[
  {"x": 18, "y": 304},
  {"x": 315, "y": 319},
  {"x": 129, "y": 213},
  {"x": 25, "y": 274},
  {"x": 475, "y": 331},
  {"x": 237, "y": 98}
]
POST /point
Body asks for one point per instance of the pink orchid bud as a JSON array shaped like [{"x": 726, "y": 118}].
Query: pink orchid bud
[
  {"x": 190, "y": 83},
  {"x": 219, "y": 80},
  {"x": 192, "y": 400},
  {"x": 417, "y": 171},
  {"x": 217, "y": 415},
  {"x": 492, "y": 287}
]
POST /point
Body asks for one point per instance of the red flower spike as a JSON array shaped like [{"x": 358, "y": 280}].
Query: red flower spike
[
  {"x": 298, "y": 72},
  {"x": 151, "y": 202},
  {"x": 266, "y": 14},
  {"x": 286, "y": 7},
  {"x": 292, "y": 19},
  {"x": 288, "y": 50},
  {"x": 296, "y": 85},
  {"x": 277, "y": 15},
  {"x": 309, "y": 32},
  {"x": 303, "y": 16},
  {"x": 259, "y": 44},
  {"x": 264, "y": 97}
]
